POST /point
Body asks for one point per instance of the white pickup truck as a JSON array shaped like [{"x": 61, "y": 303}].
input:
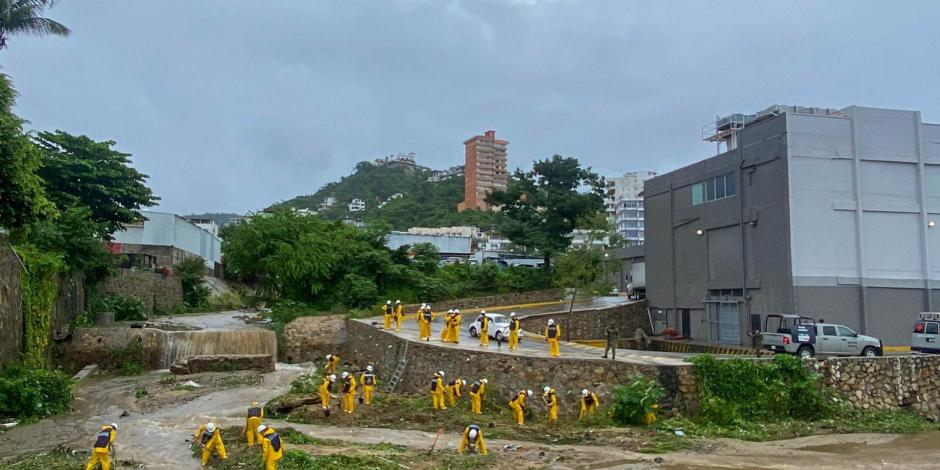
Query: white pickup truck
[{"x": 793, "y": 334}]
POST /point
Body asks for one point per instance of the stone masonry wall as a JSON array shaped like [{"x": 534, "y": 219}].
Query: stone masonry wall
[
  {"x": 590, "y": 324},
  {"x": 514, "y": 298},
  {"x": 11, "y": 306},
  {"x": 885, "y": 383},
  {"x": 159, "y": 293},
  {"x": 95, "y": 346},
  {"x": 507, "y": 373},
  {"x": 312, "y": 338}
]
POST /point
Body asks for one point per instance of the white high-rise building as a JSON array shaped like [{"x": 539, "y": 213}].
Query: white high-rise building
[{"x": 625, "y": 204}]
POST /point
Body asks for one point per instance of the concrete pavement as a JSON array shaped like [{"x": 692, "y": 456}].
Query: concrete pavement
[{"x": 532, "y": 344}]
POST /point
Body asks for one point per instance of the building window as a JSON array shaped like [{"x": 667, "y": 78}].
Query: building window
[{"x": 713, "y": 189}]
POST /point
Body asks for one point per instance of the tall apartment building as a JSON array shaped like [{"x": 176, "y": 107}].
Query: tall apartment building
[
  {"x": 484, "y": 169},
  {"x": 821, "y": 212},
  {"x": 625, "y": 204}
]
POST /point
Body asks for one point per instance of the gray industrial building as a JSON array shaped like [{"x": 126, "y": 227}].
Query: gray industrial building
[{"x": 826, "y": 213}]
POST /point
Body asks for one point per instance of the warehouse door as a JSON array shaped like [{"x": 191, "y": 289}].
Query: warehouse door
[{"x": 729, "y": 323}]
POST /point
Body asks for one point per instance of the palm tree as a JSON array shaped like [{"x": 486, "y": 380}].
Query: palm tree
[{"x": 25, "y": 16}]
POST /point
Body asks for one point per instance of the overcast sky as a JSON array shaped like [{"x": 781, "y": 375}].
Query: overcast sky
[{"x": 233, "y": 105}]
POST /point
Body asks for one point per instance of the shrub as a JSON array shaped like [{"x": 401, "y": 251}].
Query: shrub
[
  {"x": 125, "y": 307},
  {"x": 191, "y": 271},
  {"x": 307, "y": 384},
  {"x": 636, "y": 402},
  {"x": 34, "y": 393},
  {"x": 737, "y": 390},
  {"x": 128, "y": 360}
]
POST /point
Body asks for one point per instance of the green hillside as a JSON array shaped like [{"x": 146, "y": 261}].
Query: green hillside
[{"x": 424, "y": 204}]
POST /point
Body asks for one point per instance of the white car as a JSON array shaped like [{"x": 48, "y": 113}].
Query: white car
[{"x": 499, "y": 327}]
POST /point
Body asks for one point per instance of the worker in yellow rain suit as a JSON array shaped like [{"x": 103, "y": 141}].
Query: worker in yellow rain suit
[
  {"x": 514, "y": 328},
  {"x": 517, "y": 404},
  {"x": 589, "y": 403},
  {"x": 326, "y": 389},
  {"x": 368, "y": 381},
  {"x": 552, "y": 335},
  {"x": 104, "y": 444},
  {"x": 551, "y": 401},
  {"x": 437, "y": 391},
  {"x": 349, "y": 392},
  {"x": 424, "y": 322},
  {"x": 252, "y": 421},
  {"x": 484, "y": 329},
  {"x": 399, "y": 315},
  {"x": 455, "y": 333},
  {"x": 476, "y": 396},
  {"x": 332, "y": 360},
  {"x": 388, "y": 312},
  {"x": 446, "y": 329},
  {"x": 272, "y": 449},
  {"x": 210, "y": 439},
  {"x": 453, "y": 390},
  {"x": 472, "y": 439}
]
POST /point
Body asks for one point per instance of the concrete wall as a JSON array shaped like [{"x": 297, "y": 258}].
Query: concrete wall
[
  {"x": 159, "y": 293},
  {"x": 11, "y": 306},
  {"x": 96, "y": 345},
  {"x": 743, "y": 240},
  {"x": 590, "y": 324},
  {"x": 507, "y": 373}
]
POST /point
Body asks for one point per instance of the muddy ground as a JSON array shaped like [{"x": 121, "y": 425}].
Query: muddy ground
[{"x": 155, "y": 428}]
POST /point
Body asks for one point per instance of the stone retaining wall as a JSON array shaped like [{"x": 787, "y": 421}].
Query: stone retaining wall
[
  {"x": 159, "y": 293},
  {"x": 198, "y": 364},
  {"x": 312, "y": 338},
  {"x": 590, "y": 324},
  {"x": 885, "y": 383},
  {"x": 507, "y": 373},
  {"x": 514, "y": 298}
]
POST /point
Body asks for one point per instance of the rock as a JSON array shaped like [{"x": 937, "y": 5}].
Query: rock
[
  {"x": 180, "y": 368},
  {"x": 224, "y": 363},
  {"x": 289, "y": 404}
]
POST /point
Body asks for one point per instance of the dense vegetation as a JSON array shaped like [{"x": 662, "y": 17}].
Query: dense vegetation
[
  {"x": 423, "y": 204},
  {"x": 331, "y": 265}
]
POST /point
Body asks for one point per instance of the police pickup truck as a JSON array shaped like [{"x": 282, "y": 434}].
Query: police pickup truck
[{"x": 794, "y": 334}]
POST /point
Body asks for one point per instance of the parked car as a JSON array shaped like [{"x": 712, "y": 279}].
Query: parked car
[
  {"x": 804, "y": 337},
  {"x": 499, "y": 327},
  {"x": 926, "y": 333}
]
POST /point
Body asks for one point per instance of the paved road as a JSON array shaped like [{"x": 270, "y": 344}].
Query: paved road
[{"x": 532, "y": 345}]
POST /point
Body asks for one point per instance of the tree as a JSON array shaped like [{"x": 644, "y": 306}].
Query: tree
[
  {"x": 77, "y": 171},
  {"x": 22, "y": 199},
  {"x": 544, "y": 205},
  {"x": 73, "y": 235},
  {"x": 25, "y": 17},
  {"x": 192, "y": 272}
]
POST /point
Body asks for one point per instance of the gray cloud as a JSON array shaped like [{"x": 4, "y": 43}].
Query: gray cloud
[{"x": 234, "y": 105}]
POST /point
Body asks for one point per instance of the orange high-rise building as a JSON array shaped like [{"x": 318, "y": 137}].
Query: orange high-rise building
[{"x": 485, "y": 169}]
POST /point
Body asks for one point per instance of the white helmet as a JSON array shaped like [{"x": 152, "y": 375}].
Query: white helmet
[
  {"x": 369, "y": 368},
  {"x": 441, "y": 373},
  {"x": 482, "y": 312},
  {"x": 388, "y": 302},
  {"x": 345, "y": 374},
  {"x": 210, "y": 427},
  {"x": 528, "y": 392},
  {"x": 261, "y": 428},
  {"x": 463, "y": 382},
  {"x": 584, "y": 392},
  {"x": 329, "y": 356},
  {"x": 429, "y": 306},
  {"x": 551, "y": 321},
  {"x": 424, "y": 305},
  {"x": 472, "y": 434},
  {"x": 456, "y": 310},
  {"x": 512, "y": 314},
  {"x": 450, "y": 311},
  {"x": 114, "y": 425},
  {"x": 546, "y": 389},
  {"x": 484, "y": 381},
  {"x": 333, "y": 378},
  {"x": 398, "y": 301}
]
